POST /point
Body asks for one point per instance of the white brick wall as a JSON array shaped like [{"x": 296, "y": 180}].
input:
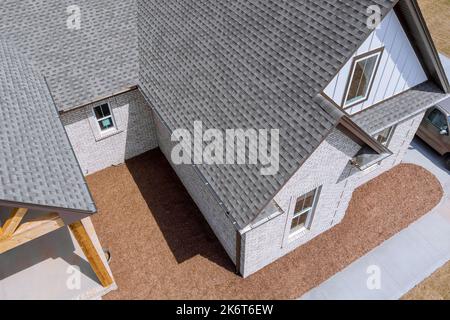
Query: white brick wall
[
  {"x": 138, "y": 132},
  {"x": 270, "y": 241},
  {"x": 135, "y": 132}
]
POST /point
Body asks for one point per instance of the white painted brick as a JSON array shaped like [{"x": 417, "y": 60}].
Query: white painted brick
[
  {"x": 270, "y": 241},
  {"x": 135, "y": 132}
]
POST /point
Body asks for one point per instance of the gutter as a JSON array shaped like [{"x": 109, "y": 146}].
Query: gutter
[
  {"x": 44, "y": 208},
  {"x": 98, "y": 99},
  {"x": 411, "y": 17}
]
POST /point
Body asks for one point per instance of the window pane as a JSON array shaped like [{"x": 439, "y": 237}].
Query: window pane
[
  {"x": 303, "y": 211},
  {"x": 106, "y": 124},
  {"x": 98, "y": 112},
  {"x": 299, "y": 222},
  {"x": 106, "y": 111},
  {"x": 362, "y": 75},
  {"x": 309, "y": 201},
  {"x": 299, "y": 205},
  {"x": 294, "y": 223},
  {"x": 302, "y": 219}
]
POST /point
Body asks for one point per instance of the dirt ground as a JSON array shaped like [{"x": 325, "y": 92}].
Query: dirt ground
[
  {"x": 437, "y": 16},
  {"x": 162, "y": 248}
]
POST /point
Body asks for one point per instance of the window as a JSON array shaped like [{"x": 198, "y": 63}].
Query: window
[
  {"x": 384, "y": 137},
  {"x": 438, "y": 119},
  {"x": 361, "y": 80},
  {"x": 304, "y": 209},
  {"x": 104, "y": 117}
]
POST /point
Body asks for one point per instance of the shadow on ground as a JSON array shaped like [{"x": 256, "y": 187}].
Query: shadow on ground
[
  {"x": 428, "y": 152},
  {"x": 184, "y": 228},
  {"x": 162, "y": 247}
]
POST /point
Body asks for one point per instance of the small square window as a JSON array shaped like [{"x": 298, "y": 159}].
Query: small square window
[
  {"x": 104, "y": 117},
  {"x": 361, "y": 78},
  {"x": 304, "y": 210}
]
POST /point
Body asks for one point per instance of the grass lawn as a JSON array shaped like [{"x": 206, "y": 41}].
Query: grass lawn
[
  {"x": 436, "y": 287},
  {"x": 437, "y": 14}
]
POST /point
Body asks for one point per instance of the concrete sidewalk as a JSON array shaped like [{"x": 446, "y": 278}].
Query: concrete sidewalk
[{"x": 407, "y": 258}]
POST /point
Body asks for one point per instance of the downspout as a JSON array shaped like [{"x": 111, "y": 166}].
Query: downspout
[{"x": 238, "y": 252}]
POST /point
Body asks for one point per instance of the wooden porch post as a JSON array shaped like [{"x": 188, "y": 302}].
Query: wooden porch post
[
  {"x": 12, "y": 223},
  {"x": 91, "y": 253}
]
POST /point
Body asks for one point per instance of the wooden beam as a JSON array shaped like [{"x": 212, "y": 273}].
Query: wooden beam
[
  {"x": 85, "y": 242},
  {"x": 31, "y": 230},
  {"x": 13, "y": 222}
]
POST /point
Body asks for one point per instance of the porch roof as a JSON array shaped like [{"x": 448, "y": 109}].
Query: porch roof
[
  {"x": 37, "y": 164},
  {"x": 399, "y": 108}
]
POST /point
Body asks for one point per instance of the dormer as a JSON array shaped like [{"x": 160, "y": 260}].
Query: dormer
[{"x": 384, "y": 66}]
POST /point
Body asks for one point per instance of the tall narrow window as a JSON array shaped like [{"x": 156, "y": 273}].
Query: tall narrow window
[
  {"x": 104, "y": 117},
  {"x": 361, "y": 78},
  {"x": 304, "y": 210}
]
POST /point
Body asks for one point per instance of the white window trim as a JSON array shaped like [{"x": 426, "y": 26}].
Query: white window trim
[
  {"x": 97, "y": 121},
  {"x": 392, "y": 130},
  {"x": 294, "y": 235},
  {"x": 372, "y": 78},
  {"x": 372, "y": 168}
]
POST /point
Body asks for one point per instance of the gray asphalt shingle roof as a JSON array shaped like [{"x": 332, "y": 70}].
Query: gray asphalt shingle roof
[
  {"x": 249, "y": 64},
  {"x": 229, "y": 63},
  {"x": 399, "y": 108},
  {"x": 80, "y": 66},
  {"x": 37, "y": 163}
]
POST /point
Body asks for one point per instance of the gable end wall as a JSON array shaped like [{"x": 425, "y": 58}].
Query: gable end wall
[
  {"x": 327, "y": 167},
  {"x": 270, "y": 241},
  {"x": 399, "y": 68}
]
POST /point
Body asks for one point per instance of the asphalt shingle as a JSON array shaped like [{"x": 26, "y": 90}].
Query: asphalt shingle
[
  {"x": 37, "y": 163},
  {"x": 250, "y": 65},
  {"x": 399, "y": 108},
  {"x": 98, "y": 60}
]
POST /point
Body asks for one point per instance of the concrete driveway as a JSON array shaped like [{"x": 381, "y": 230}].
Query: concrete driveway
[
  {"x": 421, "y": 154},
  {"x": 395, "y": 267}
]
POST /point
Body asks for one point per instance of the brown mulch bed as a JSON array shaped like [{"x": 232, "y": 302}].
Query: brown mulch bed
[{"x": 162, "y": 248}]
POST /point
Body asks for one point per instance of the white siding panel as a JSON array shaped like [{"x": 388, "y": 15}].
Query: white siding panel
[
  {"x": 399, "y": 68},
  {"x": 340, "y": 86},
  {"x": 331, "y": 88},
  {"x": 365, "y": 47}
]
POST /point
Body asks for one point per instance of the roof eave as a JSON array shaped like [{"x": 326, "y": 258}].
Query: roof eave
[
  {"x": 345, "y": 125},
  {"x": 411, "y": 17},
  {"x": 46, "y": 208}
]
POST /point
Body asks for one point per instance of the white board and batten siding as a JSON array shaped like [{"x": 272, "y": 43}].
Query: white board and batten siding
[{"x": 398, "y": 71}]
